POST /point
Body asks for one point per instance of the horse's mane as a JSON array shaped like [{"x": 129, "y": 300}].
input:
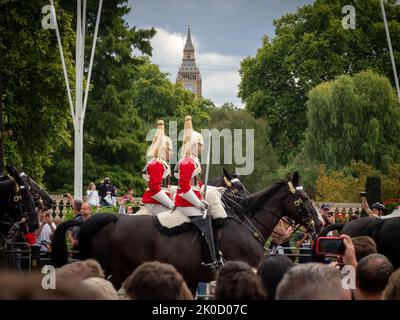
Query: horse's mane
[
  {"x": 254, "y": 200},
  {"x": 251, "y": 203}
]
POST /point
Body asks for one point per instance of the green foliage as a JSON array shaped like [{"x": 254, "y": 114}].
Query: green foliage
[
  {"x": 311, "y": 46},
  {"x": 34, "y": 94},
  {"x": 265, "y": 161},
  {"x": 308, "y": 170},
  {"x": 344, "y": 185},
  {"x": 128, "y": 94},
  {"x": 354, "y": 118},
  {"x": 373, "y": 186}
]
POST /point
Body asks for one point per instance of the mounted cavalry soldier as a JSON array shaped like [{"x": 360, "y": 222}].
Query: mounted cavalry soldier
[
  {"x": 189, "y": 197},
  {"x": 156, "y": 198}
]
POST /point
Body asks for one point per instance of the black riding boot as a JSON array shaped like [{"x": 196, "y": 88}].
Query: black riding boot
[{"x": 205, "y": 227}]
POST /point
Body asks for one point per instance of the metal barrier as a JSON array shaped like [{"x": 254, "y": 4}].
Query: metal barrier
[{"x": 23, "y": 252}]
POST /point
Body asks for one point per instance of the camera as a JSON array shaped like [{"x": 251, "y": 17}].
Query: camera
[
  {"x": 363, "y": 194},
  {"x": 65, "y": 195},
  {"x": 330, "y": 246}
]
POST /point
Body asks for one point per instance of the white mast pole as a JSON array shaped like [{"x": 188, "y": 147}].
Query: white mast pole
[
  {"x": 79, "y": 113},
  {"x": 71, "y": 104},
  {"x": 396, "y": 78},
  {"x": 91, "y": 58},
  {"x": 78, "y": 145}
]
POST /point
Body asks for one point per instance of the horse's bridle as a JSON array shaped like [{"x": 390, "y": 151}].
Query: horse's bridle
[
  {"x": 17, "y": 199},
  {"x": 234, "y": 191},
  {"x": 303, "y": 212}
]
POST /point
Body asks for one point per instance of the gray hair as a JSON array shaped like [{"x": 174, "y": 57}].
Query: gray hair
[{"x": 310, "y": 281}]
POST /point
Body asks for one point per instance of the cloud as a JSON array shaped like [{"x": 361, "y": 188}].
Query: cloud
[
  {"x": 167, "y": 48},
  {"x": 219, "y": 72},
  {"x": 222, "y": 87}
]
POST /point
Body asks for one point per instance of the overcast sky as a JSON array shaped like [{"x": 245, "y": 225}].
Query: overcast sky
[{"x": 223, "y": 32}]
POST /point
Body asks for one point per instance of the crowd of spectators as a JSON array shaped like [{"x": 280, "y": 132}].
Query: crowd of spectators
[{"x": 276, "y": 278}]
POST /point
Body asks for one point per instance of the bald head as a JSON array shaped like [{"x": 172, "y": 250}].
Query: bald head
[{"x": 373, "y": 273}]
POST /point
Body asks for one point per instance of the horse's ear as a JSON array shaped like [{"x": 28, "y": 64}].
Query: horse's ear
[
  {"x": 227, "y": 174},
  {"x": 295, "y": 178},
  {"x": 11, "y": 170}
]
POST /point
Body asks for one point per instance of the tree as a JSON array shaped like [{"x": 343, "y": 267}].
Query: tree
[
  {"x": 128, "y": 94},
  {"x": 35, "y": 101},
  {"x": 354, "y": 118},
  {"x": 229, "y": 117},
  {"x": 310, "y": 47},
  {"x": 113, "y": 130}
]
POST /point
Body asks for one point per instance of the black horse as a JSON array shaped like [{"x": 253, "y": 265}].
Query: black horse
[
  {"x": 121, "y": 243},
  {"x": 385, "y": 232},
  {"x": 42, "y": 198},
  {"x": 17, "y": 206},
  {"x": 17, "y": 200}
]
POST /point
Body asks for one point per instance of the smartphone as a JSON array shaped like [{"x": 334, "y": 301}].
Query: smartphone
[{"x": 330, "y": 245}]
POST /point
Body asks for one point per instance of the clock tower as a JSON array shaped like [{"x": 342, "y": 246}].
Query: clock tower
[{"x": 189, "y": 73}]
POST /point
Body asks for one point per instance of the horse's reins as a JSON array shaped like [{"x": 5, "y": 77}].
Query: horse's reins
[{"x": 255, "y": 232}]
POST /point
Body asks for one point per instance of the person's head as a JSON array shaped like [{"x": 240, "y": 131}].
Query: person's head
[
  {"x": 272, "y": 270},
  {"x": 42, "y": 215},
  {"x": 86, "y": 210},
  {"x": 392, "y": 290},
  {"x": 373, "y": 273},
  {"x": 156, "y": 281},
  {"x": 378, "y": 208},
  {"x": 92, "y": 186},
  {"x": 364, "y": 246},
  {"x": 77, "y": 205},
  {"x": 107, "y": 180},
  {"x": 130, "y": 191},
  {"x": 57, "y": 220},
  {"x": 311, "y": 281},
  {"x": 80, "y": 270},
  {"x": 325, "y": 209},
  {"x": 100, "y": 288},
  {"x": 331, "y": 217},
  {"x": 14, "y": 286},
  {"x": 236, "y": 280}
]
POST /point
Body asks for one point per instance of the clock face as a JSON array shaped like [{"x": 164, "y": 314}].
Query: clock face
[{"x": 189, "y": 87}]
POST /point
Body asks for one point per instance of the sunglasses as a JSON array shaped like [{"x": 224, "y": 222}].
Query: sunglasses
[{"x": 326, "y": 209}]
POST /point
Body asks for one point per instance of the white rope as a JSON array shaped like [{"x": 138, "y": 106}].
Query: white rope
[
  {"x": 91, "y": 58},
  {"x": 71, "y": 105}
]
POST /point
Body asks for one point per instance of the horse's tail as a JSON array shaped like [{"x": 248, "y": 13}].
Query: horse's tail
[
  {"x": 59, "y": 244},
  {"x": 89, "y": 229},
  {"x": 331, "y": 227}
]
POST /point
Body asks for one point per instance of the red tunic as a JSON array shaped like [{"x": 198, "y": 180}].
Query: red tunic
[
  {"x": 186, "y": 167},
  {"x": 155, "y": 171}
]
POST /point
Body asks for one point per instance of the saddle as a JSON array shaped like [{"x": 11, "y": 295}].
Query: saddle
[{"x": 172, "y": 223}]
